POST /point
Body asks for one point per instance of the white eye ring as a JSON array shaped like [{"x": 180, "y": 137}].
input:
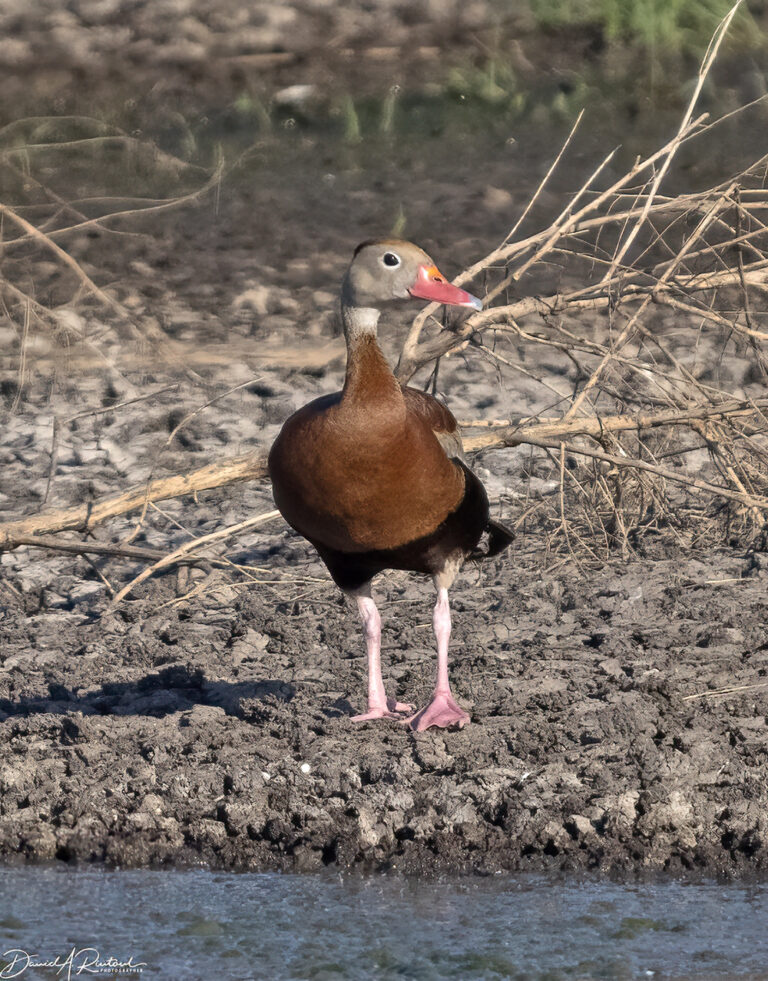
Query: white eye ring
[{"x": 391, "y": 260}]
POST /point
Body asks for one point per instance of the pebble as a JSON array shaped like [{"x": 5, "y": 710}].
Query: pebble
[{"x": 295, "y": 96}]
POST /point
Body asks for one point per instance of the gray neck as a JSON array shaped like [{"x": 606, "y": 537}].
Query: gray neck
[{"x": 358, "y": 322}]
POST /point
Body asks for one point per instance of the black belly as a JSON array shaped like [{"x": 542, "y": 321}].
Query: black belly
[{"x": 455, "y": 537}]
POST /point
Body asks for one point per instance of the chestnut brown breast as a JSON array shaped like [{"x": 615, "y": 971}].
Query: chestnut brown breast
[{"x": 363, "y": 469}]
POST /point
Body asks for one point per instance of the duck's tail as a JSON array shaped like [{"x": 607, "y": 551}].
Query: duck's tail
[{"x": 497, "y": 537}]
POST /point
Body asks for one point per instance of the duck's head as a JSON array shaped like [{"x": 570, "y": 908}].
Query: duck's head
[{"x": 386, "y": 270}]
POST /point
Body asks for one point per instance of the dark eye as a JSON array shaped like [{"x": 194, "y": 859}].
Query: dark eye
[{"x": 390, "y": 259}]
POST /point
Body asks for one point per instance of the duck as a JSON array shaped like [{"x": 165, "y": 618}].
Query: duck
[{"x": 374, "y": 478}]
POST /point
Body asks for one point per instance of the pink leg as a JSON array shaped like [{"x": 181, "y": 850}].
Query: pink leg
[
  {"x": 442, "y": 711},
  {"x": 379, "y": 706}
]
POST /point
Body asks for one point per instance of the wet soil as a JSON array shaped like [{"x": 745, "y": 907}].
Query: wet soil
[
  {"x": 207, "y": 719},
  {"x": 222, "y": 734}
]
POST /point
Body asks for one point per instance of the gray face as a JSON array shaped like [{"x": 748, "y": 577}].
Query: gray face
[{"x": 381, "y": 272}]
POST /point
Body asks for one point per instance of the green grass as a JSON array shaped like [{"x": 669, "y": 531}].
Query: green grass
[{"x": 677, "y": 26}]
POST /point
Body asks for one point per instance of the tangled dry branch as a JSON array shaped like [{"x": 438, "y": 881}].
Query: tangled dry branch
[{"x": 658, "y": 321}]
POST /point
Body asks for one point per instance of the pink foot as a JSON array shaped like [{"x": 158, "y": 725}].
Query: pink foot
[
  {"x": 442, "y": 712},
  {"x": 389, "y": 712}
]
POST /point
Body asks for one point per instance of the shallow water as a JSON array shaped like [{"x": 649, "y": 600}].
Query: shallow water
[{"x": 204, "y": 925}]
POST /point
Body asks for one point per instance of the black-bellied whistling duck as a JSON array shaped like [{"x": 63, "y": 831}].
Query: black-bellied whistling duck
[{"x": 372, "y": 475}]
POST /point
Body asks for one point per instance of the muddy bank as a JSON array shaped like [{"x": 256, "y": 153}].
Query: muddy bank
[{"x": 223, "y": 735}]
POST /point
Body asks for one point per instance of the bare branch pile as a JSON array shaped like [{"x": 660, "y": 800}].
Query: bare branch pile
[{"x": 661, "y": 316}]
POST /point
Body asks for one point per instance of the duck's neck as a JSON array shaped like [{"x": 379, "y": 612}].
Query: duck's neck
[
  {"x": 359, "y": 323},
  {"x": 368, "y": 376}
]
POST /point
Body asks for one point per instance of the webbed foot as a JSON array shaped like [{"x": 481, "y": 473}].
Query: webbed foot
[{"x": 443, "y": 712}]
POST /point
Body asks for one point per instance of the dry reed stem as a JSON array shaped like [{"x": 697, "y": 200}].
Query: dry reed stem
[
  {"x": 148, "y": 209},
  {"x": 88, "y": 547},
  {"x": 189, "y": 547},
  {"x": 617, "y": 345},
  {"x": 83, "y": 517},
  {"x": 741, "y": 497},
  {"x": 201, "y": 408},
  {"x": 117, "y": 137},
  {"x": 725, "y": 691},
  {"x": 45, "y": 315}
]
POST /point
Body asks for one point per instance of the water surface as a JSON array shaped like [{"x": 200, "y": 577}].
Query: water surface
[{"x": 206, "y": 925}]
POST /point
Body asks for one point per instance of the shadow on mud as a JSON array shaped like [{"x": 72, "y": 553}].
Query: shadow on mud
[{"x": 173, "y": 689}]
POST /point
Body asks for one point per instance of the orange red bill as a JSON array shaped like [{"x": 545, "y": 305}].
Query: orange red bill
[{"x": 432, "y": 285}]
